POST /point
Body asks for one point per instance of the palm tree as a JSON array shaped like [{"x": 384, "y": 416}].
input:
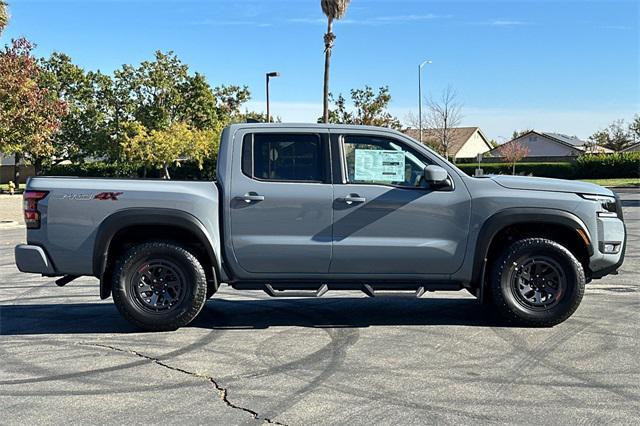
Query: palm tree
[
  {"x": 4, "y": 15},
  {"x": 333, "y": 9}
]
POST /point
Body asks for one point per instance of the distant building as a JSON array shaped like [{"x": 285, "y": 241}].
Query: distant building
[
  {"x": 633, "y": 148},
  {"x": 466, "y": 142},
  {"x": 7, "y": 169},
  {"x": 553, "y": 145}
]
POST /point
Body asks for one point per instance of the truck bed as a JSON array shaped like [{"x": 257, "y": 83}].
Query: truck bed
[{"x": 75, "y": 208}]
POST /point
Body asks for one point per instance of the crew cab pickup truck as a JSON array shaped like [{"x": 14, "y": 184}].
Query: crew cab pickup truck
[{"x": 299, "y": 210}]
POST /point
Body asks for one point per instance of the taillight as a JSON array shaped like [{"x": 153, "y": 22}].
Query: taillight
[{"x": 31, "y": 213}]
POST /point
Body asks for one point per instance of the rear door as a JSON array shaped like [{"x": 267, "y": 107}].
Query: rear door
[
  {"x": 387, "y": 220},
  {"x": 281, "y": 195}
]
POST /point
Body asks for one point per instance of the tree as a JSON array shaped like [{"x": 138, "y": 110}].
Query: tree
[
  {"x": 370, "y": 109},
  {"x": 615, "y": 137},
  {"x": 158, "y": 99},
  {"x": 160, "y": 148},
  {"x": 80, "y": 134},
  {"x": 29, "y": 112},
  {"x": 443, "y": 116},
  {"x": 333, "y": 9},
  {"x": 512, "y": 152},
  {"x": 229, "y": 99},
  {"x": 634, "y": 128},
  {"x": 517, "y": 133},
  {"x": 157, "y": 88},
  {"x": 4, "y": 15}
]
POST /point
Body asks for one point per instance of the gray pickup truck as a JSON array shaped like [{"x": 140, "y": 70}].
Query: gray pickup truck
[{"x": 298, "y": 210}]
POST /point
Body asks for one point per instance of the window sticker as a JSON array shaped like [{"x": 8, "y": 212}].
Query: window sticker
[{"x": 379, "y": 165}]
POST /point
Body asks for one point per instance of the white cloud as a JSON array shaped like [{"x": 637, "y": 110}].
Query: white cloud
[{"x": 506, "y": 23}]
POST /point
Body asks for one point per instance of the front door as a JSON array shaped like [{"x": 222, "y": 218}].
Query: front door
[
  {"x": 387, "y": 220},
  {"x": 281, "y": 203}
]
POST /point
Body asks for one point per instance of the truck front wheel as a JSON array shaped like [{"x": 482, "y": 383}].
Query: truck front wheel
[
  {"x": 159, "y": 286},
  {"x": 537, "y": 282}
]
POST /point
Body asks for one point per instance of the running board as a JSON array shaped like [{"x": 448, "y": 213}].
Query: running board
[
  {"x": 296, "y": 293},
  {"x": 369, "y": 291}
]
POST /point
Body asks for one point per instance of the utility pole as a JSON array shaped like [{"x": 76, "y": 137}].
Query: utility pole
[
  {"x": 420, "y": 94},
  {"x": 269, "y": 75}
]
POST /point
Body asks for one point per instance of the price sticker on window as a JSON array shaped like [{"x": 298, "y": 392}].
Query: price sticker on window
[{"x": 379, "y": 165}]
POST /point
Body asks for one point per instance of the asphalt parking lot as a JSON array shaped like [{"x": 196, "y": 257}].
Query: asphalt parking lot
[{"x": 67, "y": 357}]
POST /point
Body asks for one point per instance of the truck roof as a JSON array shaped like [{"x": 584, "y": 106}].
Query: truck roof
[{"x": 307, "y": 125}]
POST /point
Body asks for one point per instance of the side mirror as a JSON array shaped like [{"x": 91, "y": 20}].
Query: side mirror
[{"x": 435, "y": 175}]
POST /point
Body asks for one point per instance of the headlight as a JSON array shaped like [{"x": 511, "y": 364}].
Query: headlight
[{"x": 608, "y": 204}]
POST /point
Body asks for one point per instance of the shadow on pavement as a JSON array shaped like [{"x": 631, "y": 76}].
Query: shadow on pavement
[{"x": 222, "y": 314}]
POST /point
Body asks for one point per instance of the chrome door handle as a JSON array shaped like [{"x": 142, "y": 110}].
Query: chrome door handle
[
  {"x": 251, "y": 197},
  {"x": 354, "y": 198}
]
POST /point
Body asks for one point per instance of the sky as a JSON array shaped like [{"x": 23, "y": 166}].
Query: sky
[{"x": 563, "y": 66}]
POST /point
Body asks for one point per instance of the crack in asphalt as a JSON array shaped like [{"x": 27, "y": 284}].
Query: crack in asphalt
[{"x": 222, "y": 392}]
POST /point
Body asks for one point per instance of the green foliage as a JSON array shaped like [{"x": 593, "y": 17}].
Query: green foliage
[
  {"x": 187, "y": 170},
  {"x": 517, "y": 133},
  {"x": 94, "y": 169},
  {"x": 617, "y": 165},
  {"x": 160, "y": 148},
  {"x": 634, "y": 128},
  {"x": 616, "y": 137},
  {"x": 369, "y": 109},
  {"x": 622, "y": 165},
  {"x": 4, "y": 15},
  {"x": 553, "y": 170},
  {"x": 30, "y": 113},
  {"x": 80, "y": 134}
]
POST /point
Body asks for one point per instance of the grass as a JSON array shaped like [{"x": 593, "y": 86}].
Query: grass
[{"x": 635, "y": 182}]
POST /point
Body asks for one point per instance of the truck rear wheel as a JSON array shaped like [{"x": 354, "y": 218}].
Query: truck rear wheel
[
  {"x": 537, "y": 282},
  {"x": 159, "y": 286}
]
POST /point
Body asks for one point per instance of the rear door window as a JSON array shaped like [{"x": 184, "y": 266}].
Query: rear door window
[{"x": 285, "y": 157}]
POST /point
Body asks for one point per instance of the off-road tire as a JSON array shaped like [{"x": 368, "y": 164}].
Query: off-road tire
[
  {"x": 503, "y": 286},
  {"x": 187, "y": 266}
]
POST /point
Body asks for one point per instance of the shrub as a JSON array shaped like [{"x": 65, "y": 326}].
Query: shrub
[
  {"x": 93, "y": 169},
  {"x": 598, "y": 166},
  {"x": 619, "y": 165},
  {"x": 187, "y": 170},
  {"x": 554, "y": 170}
]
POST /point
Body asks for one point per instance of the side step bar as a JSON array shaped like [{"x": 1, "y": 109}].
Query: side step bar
[
  {"x": 296, "y": 293},
  {"x": 371, "y": 292},
  {"x": 366, "y": 289}
]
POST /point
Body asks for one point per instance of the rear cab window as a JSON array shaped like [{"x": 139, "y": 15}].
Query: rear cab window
[{"x": 286, "y": 157}]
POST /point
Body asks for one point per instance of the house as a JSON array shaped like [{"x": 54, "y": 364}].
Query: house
[
  {"x": 552, "y": 146},
  {"x": 632, "y": 148},
  {"x": 7, "y": 169},
  {"x": 465, "y": 142}
]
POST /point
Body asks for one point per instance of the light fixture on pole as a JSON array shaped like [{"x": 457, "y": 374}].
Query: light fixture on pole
[
  {"x": 269, "y": 75},
  {"x": 420, "y": 94}
]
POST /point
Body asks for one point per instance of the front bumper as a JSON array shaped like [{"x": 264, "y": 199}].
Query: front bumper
[
  {"x": 609, "y": 231},
  {"x": 30, "y": 258}
]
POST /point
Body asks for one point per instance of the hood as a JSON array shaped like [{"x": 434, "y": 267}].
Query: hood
[{"x": 546, "y": 184}]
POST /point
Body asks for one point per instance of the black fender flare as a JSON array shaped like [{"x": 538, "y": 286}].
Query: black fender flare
[
  {"x": 126, "y": 218},
  {"x": 520, "y": 215}
]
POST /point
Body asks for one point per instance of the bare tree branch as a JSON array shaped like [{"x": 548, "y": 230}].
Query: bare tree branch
[{"x": 443, "y": 115}]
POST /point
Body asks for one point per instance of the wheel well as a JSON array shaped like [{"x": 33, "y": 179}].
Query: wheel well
[
  {"x": 561, "y": 234},
  {"x": 130, "y": 236}
]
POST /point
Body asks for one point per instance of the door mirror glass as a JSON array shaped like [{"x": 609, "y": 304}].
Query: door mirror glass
[{"x": 435, "y": 175}]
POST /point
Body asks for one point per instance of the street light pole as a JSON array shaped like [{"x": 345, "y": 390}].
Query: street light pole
[
  {"x": 420, "y": 94},
  {"x": 269, "y": 75}
]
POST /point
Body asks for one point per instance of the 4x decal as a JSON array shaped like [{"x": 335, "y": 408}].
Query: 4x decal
[{"x": 108, "y": 196}]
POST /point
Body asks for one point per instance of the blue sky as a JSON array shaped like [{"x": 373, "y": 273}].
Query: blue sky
[{"x": 565, "y": 66}]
